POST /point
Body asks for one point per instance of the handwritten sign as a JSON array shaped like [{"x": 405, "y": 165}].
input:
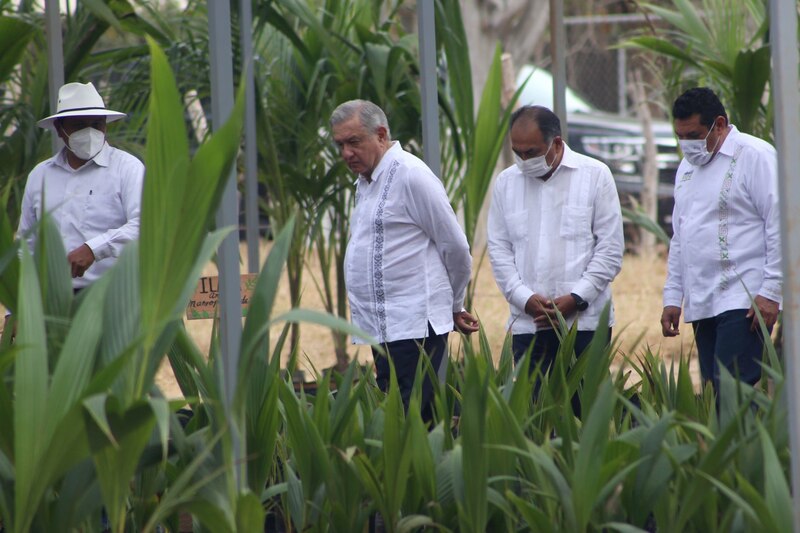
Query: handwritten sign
[{"x": 203, "y": 303}]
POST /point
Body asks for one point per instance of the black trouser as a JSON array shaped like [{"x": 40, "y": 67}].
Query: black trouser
[
  {"x": 726, "y": 340},
  {"x": 545, "y": 348},
  {"x": 405, "y": 356}
]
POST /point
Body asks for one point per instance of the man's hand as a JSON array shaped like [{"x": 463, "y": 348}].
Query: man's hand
[
  {"x": 768, "y": 309},
  {"x": 465, "y": 322},
  {"x": 551, "y": 308},
  {"x": 565, "y": 305},
  {"x": 670, "y": 319},
  {"x": 536, "y": 306},
  {"x": 6, "y": 322},
  {"x": 80, "y": 259}
]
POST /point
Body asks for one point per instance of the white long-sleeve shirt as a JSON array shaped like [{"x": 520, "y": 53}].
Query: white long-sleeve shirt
[
  {"x": 556, "y": 237},
  {"x": 97, "y": 204},
  {"x": 408, "y": 262},
  {"x": 726, "y": 225}
]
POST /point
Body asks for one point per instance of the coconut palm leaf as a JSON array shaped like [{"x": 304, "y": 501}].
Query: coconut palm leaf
[{"x": 719, "y": 44}]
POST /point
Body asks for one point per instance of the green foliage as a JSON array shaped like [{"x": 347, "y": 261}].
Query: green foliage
[
  {"x": 641, "y": 220},
  {"x": 651, "y": 454},
  {"x": 472, "y": 505},
  {"x": 720, "y": 44},
  {"x": 84, "y": 428},
  {"x": 484, "y": 139},
  {"x": 14, "y": 36},
  {"x": 176, "y": 192}
]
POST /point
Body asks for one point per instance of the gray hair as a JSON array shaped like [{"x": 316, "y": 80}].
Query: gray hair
[{"x": 370, "y": 115}]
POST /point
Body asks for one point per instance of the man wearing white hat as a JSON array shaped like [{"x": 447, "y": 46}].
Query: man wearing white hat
[{"x": 91, "y": 190}]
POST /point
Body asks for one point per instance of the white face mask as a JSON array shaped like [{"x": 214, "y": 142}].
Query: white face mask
[
  {"x": 535, "y": 167},
  {"x": 86, "y": 143},
  {"x": 696, "y": 151}
]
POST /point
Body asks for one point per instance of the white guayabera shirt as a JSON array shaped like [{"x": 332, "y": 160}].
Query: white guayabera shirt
[
  {"x": 97, "y": 204},
  {"x": 408, "y": 261},
  {"x": 726, "y": 224},
  {"x": 556, "y": 237}
]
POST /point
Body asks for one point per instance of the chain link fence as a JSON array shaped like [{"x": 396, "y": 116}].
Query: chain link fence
[{"x": 599, "y": 69}]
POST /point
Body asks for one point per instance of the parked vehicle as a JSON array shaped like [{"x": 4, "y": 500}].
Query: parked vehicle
[{"x": 615, "y": 139}]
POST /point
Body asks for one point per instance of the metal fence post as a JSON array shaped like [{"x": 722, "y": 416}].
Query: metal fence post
[
  {"x": 55, "y": 60},
  {"x": 250, "y": 159},
  {"x": 558, "y": 47},
  {"x": 783, "y": 31},
  {"x": 426, "y": 19},
  {"x": 230, "y": 325}
]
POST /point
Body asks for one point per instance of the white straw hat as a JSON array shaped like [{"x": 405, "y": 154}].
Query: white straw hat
[{"x": 80, "y": 100}]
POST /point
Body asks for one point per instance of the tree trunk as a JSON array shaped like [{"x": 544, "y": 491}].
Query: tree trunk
[
  {"x": 519, "y": 26},
  {"x": 649, "y": 199}
]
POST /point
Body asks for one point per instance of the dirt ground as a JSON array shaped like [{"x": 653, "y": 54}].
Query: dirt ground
[{"x": 637, "y": 302}]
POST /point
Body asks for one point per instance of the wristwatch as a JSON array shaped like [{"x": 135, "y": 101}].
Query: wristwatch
[{"x": 580, "y": 303}]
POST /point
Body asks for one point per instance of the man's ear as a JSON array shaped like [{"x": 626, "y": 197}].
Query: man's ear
[{"x": 382, "y": 133}]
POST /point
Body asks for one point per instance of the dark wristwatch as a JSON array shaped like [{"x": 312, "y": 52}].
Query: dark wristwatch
[{"x": 580, "y": 303}]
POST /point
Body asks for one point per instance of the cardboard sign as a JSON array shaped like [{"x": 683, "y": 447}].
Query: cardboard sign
[{"x": 203, "y": 303}]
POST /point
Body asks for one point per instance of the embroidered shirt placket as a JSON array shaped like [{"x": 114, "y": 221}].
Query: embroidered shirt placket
[
  {"x": 725, "y": 262},
  {"x": 377, "y": 265}
]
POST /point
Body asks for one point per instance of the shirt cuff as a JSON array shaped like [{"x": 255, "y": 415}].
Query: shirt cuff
[
  {"x": 585, "y": 290},
  {"x": 673, "y": 299},
  {"x": 521, "y": 296},
  {"x": 771, "y": 290},
  {"x": 99, "y": 247}
]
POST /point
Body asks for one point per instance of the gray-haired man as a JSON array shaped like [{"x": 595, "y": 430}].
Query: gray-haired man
[{"x": 408, "y": 262}]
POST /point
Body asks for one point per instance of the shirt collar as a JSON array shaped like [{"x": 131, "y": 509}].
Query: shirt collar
[
  {"x": 388, "y": 156},
  {"x": 104, "y": 157},
  {"x": 569, "y": 159},
  {"x": 729, "y": 145}
]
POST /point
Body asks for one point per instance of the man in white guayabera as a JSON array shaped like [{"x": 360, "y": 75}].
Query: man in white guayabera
[
  {"x": 555, "y": 239},
  {"x": 92, "y": 191},
  {"x": 726, "y": 246},
  {"x": 408, "y": 262}
]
